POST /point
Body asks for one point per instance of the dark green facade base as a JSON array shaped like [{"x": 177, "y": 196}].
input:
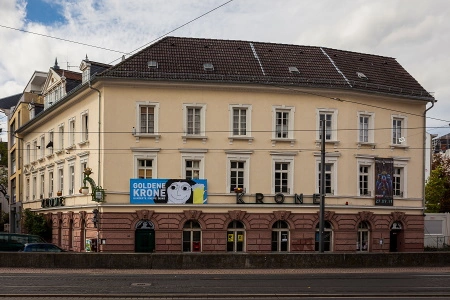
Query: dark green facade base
[{"x": 222, "y": 261}]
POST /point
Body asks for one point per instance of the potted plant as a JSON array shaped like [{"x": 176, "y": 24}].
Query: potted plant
[
  {"x": 84, "y": 190},
  {"x": 59, "y": 193}
]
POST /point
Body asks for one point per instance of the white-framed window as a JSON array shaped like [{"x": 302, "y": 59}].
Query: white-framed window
[
  {"x": 28, "y": 189},
  {"x": 192, "y": 237},
  {"x": 330, "y": 118},
  {"x": 193, "y": 165},
  {"x": 61, "y": 179},
  {"x": 330, "y": 174},
  {"x": 145, "y": 164},
  {"x": 365, "y": 127},
  {"x": 398, "y": 182},
  {"x": 84, "y": 126},
  {"x": 50, "y": 184},
  {"x": 28, "y": 154},
  {"x": 398, "y": 130},
  {"x": 42, "y": 189},
  {"x": 50, "y": 144},
  {"x": 35, "y": 150},
  {"x": 71, "y": 179},
  {"x": 194, "y": 119},
  {"x": 61, "y": 136},
  {"x": 147, "y": 118},
  {"x": 240, "y": 120},
  {"x": 13, "y": 162},
  {"x": 83, "y": 166},
  {"x": 238, "y": 171},
  {"x": 34, "y": 186},
  {"x": 283, "y": 122},
  {"x": 365, "y": 177},
  {"x": 71, "y": 132},
  {"x": 42, "y": 146},
  {"x": 363, "y": 237},
  {"x": 282, "y": 174}
]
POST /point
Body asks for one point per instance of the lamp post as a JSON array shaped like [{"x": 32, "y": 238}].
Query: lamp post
[{"x": 322, "y": 189}]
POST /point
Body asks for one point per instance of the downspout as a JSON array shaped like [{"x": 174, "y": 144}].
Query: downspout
[
  {"x": 425, "y": 152},
  {"x": 99, "y": 128}
]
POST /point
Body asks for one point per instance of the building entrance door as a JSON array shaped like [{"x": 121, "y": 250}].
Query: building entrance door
[
  {"x": 395, "y": 237},
  {"x": 144, "y": 237}
]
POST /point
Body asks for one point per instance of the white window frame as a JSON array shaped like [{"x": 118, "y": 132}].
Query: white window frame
[
  {"x": 35, "y": 150},
  {"x": 51, "y": 137},
  {"x": 34, "y": 183},
  {"x": 370, "y": 163},
  {"x": 137, "y": 128},
  {"x": 50, "y": 183},
  {"x": 403, "y": 166},
  {"x": 42, "y": 185},
  {"x": 84, "y": 117},
  {"x": 290, "y": 161},
  {"x": 329, "y": 159},
  {"x": 291, "y": 115},
  {"x": 42, "y": 146},
  {"x": 370, "y": 127},
  {"x": 334, "y": 124},
  {"x": 83, "y": 165},
  {"x": 71, "y": 132},
  {"x": 403, "y": 132},
  {"x": 61, "y": 178},
  {"x": 146, "y": 155},
  {"x": 71, "y": 178},
  {"x": 193, "y": 157},
  {"x": 28, "y": 154},
  {"x": 238, "y": 158},
  {"x": 248, "y": 120},
  {"x": 61, "y": 137},
  {"x": 202, "y": 107},
  {"x": 28, "y": 188}
]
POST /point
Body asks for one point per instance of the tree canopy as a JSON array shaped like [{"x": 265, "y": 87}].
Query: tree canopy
[{"x": 437, "y": 188}]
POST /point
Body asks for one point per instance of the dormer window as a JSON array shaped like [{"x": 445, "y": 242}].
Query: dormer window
[
  {"x": 86, "y": 74},
  {"x": 362, "y": 76},
  {"x": 152, "y": 64},
  {"x": 208, "y": 67},
  {"x": 294, "y": 70}
]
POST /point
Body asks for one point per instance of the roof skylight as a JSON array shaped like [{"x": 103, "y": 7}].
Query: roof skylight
[
  {"x": 208, "y": 67},
  {"x": 294, "y": 70},
  {"x": 362, "y": 76}
]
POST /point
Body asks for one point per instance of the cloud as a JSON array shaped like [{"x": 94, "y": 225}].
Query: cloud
[{"x": 416, "y": 33}]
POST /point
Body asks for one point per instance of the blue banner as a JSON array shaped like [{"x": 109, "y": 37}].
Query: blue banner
[{"x": 168, "y": 191}]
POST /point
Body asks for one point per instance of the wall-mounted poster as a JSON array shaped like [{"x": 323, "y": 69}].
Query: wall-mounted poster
[
  {"x": 384, "y": 173},
  {"x": 168, "y": 191}
]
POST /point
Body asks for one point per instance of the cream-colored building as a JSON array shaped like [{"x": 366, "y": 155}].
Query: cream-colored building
[{"x": 216, "y": 115}]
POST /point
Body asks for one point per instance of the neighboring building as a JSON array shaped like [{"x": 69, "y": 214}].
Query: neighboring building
[
  {"x": 429, "y": 152},
  {"x": 437, "y": 230},
  {"x": 441, "y": 144},
  {"x": 202, "y": 145}
]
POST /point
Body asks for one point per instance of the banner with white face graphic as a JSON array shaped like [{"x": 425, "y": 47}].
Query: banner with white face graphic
[{"x": 168, "y": 191}]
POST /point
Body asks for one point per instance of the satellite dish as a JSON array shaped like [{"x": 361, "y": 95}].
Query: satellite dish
[{"x": 402, "y": 140}]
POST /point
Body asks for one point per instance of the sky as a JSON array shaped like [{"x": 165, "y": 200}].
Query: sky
[{"x": 33, "y": 33}]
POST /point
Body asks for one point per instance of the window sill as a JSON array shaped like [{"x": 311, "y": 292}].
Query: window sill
[
  {"x": 70, "y": 147},
  {"x": 83, "y": 143},
  {"x": 194, "y": 137},
  {"x": 41, "y": 159},
  {"x": 48, "y": 156},
  {"x": 394, "y": 146},
  {"x": 58, "y": 152},
  {"x": 147, "y": 136},
  {"x": 331, "y": 142},
  {"x": 241, "y": 138},
  {"x": 366, "y": 145},
  {"x": 281, "y": 140}
]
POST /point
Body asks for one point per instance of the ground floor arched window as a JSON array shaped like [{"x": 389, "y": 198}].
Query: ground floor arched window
[
  {"x": 235, "y": 237},
  {"x": 280, "y": 236},
  {"x": 327, "y": 239},
  {"x": 362, "y": 243},
  {"x": 192, "y": 237}
]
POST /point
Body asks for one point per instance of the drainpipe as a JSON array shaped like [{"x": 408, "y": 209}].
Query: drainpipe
[
  {"x": 99, "y": 128},
  {"x": 425, "y": 151}
]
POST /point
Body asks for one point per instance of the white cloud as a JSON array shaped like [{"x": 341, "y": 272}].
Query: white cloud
[{"x": 415, "y": 32}]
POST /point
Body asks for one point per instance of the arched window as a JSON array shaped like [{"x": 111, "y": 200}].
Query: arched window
[
  {"x": 280, "y": 236},
  {"x": 192, "y": 237},
  {"x": 363, "y": 237},
  {"x": 235, "y": 237},
  {"x": 327, "y": 238}
]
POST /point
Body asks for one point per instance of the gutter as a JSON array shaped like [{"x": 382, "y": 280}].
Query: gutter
[
  {"x": 99, "y": 127},
  {"x": 425, "y": 151}
]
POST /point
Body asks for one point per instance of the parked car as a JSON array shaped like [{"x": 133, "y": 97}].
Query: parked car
[
  {"x": 42, "y": 247},
  {"x": 16, "y": 241}
]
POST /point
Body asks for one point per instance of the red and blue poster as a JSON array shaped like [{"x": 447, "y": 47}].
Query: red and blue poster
[{"x": 384, "y": 173}]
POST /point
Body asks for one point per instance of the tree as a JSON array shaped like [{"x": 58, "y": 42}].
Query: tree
[
  {"x": 4, "y": 181},
  {"x": 36, "y": 224},
  {"x": 437, "y": 188}
]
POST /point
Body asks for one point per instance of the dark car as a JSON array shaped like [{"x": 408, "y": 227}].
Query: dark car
[
  {"x": 42, "y": 247},
  {"x": 16, "y": 241}
]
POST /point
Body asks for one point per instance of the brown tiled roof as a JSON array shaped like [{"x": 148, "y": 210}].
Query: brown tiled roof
[{"x": 268, "y": 63}]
